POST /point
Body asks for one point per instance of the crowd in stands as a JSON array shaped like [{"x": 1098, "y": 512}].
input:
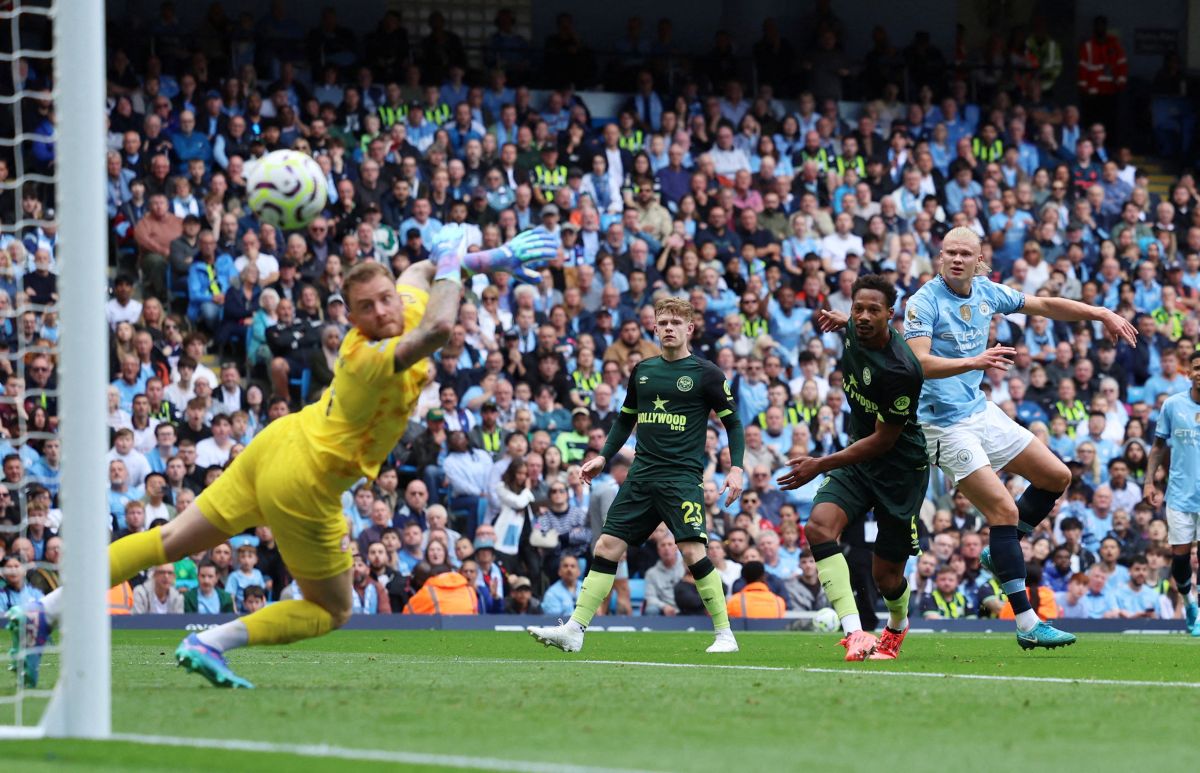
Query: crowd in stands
[{"x": 757, "y": 210}]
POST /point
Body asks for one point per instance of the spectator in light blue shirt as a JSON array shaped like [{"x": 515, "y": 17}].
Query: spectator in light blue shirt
[
  {"x": 422, "y": 220},
  {"x": 15, "y": 592},
  {"x": 1099, "y": 602},
  {"x": 560, "y": 597},
  {"x": 751, "y": 391},
  {"x": 246, "y": 575},
  {"x": 1015, "y": 225},
  {"x": 960, "y": 188},
  {"x": 1169, "y": 381},
  {"x": 1071, "y": 602},
  {"x": 1135, "y": 598},
  {"x": 131, "y": 383},
  {"x": 365, "y": 591}
]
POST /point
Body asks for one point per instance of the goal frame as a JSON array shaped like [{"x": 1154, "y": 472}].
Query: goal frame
[{"x": 81, "y": 703}]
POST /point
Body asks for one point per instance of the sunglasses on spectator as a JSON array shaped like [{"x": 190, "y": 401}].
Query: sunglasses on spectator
[{"x": 558, "y": 490}]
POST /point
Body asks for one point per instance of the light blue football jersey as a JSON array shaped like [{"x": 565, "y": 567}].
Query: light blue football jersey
[
  {"x": 1179, "y": 424},
  {"x": 958, "y": 327}
]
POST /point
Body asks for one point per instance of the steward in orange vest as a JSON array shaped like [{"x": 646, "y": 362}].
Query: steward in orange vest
[
  {"x": 444, "y": 594},
  {"x": 755, "y": 599}
]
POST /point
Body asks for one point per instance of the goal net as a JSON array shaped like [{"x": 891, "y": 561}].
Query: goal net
[{"x": 53, "y": 338}]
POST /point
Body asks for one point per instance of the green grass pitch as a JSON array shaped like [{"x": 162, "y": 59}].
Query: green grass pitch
[{"x": 502, "y": 701}]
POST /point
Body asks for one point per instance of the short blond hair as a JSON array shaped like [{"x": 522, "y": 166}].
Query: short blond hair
[
  {"x": 673, "y": 305},
  {"x": 363, "y": 273},
  {"x": 981, "y": 268}
]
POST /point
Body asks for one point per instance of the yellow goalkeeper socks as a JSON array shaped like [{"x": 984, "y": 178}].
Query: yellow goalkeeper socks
[
  {"x": 130, "y": 555},
  {"x": 287, "y": 621}
]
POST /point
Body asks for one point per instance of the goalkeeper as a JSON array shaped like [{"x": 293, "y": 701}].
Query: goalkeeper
[{"x": 291, "y": 476}]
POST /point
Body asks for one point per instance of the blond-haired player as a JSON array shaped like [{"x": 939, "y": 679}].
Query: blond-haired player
[
  {"x": 292, "y": 476},
  {"x": 669, "y": 400},
  {"x": 947, "y": 324}
]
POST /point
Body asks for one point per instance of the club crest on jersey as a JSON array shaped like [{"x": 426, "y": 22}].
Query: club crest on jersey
[
  {"x": 684, "y": 384},
  {"x": 902, "y": 403},
  {"x": 985, "y": 308},
  {"x": 964, "y": 311},
  {"x": 866, "y": 377}
]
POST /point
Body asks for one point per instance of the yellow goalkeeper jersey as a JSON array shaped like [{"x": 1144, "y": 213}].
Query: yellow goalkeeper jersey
[{"x": 364, "y": 412}]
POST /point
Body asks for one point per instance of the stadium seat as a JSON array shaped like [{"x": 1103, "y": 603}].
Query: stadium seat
[
  {"x": 637, "y": 595},
  {"x": 303, "y": 382}
]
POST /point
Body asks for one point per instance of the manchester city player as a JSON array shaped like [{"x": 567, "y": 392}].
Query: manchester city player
[
  {"x": 669, "y": 400},
  {"x": 1178, "y": 429},
  {"x": 947, "y": 323}
]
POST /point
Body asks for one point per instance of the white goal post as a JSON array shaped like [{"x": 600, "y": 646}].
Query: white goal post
[{"x": 80, "y": 706}]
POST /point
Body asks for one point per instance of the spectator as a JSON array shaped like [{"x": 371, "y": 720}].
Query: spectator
[
  {"x": 661, "y": 579},
  {"x": 467, "y": 471},
  {"x": 207, "y": 598},
  {"x": 446, "y": 593},
  {"x": 154, "y": 234},
  {"x": 560, "y": 597},
  {"x": 946, "y": 601},
  {"x": 755, "y": 599},
  {"x": 16, "y": 592},
  {"x": 159, "y": 596},
  {"x": 520, "y": 600}
]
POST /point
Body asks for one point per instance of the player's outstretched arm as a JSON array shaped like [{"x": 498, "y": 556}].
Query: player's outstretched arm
[
  {"x": 1065, "y": 310},
  {"x": 442, "y": 310},
  {"x": 945, "y": 367},
  {"x": 873, "y": 446},
  {"x": 522, "y": 256}
]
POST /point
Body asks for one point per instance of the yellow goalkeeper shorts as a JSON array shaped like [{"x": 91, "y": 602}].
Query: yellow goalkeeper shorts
[{"x": 276, "y": 481}]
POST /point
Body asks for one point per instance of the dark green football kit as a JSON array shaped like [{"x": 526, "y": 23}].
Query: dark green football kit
[
  {"x": 670, "y": 403},
  {"x": 883, "y": 385}
]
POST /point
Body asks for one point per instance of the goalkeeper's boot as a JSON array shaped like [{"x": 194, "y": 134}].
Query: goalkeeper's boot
[
  {"x": 568, "y": 636},
  {"x": 859, "y": 645},
  {"x": 724, "y": 642},
  {"x": 985, "y": 560},
  {"x": 1190, "y": 614},
  {"x": 199, "y": 658},
  {"x": 889, "y": 644},
  {"x": 1044, "y": 635},
  {"x": 30, "y": 629}
]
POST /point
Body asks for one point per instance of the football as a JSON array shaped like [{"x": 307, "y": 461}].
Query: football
[
  {"x": 286, "y": 188},
  {"x": 825, "y": 620}
]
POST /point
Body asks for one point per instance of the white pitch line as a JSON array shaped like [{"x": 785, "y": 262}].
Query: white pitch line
[
  {"x": 1004, "y": 678},
  {"x": 674, "y": 665},
  {"x": 368, "y": 755},
  {"x": 852, "y": 672},
  {"x": 419, "y": 660}
]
